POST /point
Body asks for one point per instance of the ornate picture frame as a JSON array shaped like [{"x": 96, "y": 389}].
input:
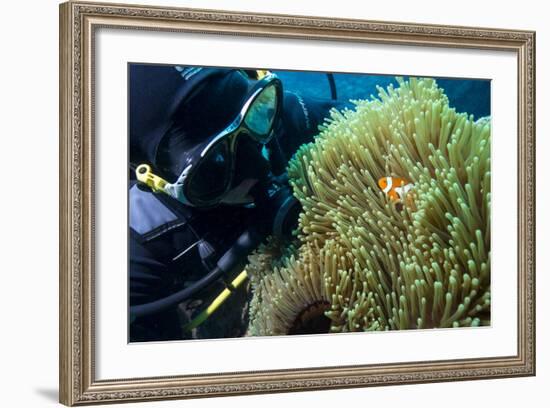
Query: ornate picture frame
[{"x": 79, "y": 22}]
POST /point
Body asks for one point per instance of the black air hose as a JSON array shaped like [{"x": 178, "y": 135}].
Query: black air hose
[{"x": 246, "y": 243}]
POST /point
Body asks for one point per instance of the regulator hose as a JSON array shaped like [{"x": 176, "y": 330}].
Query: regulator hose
[{"x": 245, "y": 244}]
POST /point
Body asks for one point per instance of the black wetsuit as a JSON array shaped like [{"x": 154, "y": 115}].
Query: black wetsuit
[{"x": 164, "y": 255}]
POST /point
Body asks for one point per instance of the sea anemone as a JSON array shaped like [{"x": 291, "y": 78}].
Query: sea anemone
[
  {"x": 367, "y": 262},
  {"x": 289, "y": 298}
]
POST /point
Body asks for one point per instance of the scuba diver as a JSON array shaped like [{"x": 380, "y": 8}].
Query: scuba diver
[{"x": 208, "y": 153}]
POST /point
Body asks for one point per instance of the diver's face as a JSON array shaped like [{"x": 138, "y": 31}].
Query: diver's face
[{"x": 224, "y": 167}]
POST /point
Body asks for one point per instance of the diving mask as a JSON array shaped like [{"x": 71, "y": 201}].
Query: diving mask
[{"x": 209, "y": 170}]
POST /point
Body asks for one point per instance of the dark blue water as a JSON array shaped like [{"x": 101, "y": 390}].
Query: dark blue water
[{"x": 465, "y": 95}]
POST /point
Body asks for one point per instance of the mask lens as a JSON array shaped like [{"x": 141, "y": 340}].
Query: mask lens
[
  {"x": 210, "y": 179},
  {"x": 260, "y": 116}
]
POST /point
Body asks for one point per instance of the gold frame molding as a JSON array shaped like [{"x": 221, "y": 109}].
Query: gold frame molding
[{"x": 78, "y": 22}]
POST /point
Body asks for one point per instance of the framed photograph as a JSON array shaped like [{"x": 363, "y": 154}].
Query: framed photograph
[{"x": 256, "y": 203}]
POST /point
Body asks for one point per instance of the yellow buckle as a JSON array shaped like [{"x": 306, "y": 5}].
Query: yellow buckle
[{"x": 145, "y": 175}]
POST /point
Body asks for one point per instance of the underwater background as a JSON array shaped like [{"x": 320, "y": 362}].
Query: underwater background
[{"x": 465, "y": 95}]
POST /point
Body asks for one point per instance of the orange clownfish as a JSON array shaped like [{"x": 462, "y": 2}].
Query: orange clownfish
[{"x": 395, "y": 188}]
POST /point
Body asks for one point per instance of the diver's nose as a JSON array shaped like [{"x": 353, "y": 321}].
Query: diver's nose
[
  {"x": 240, "y": 194},
  {"x": 250, "y": 168}
]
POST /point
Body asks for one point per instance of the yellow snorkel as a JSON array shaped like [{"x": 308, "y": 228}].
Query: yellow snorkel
[{"x": 217, "y": 302}]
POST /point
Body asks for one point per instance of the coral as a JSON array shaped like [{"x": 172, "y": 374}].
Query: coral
[{"x": 366, "y": 262}]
